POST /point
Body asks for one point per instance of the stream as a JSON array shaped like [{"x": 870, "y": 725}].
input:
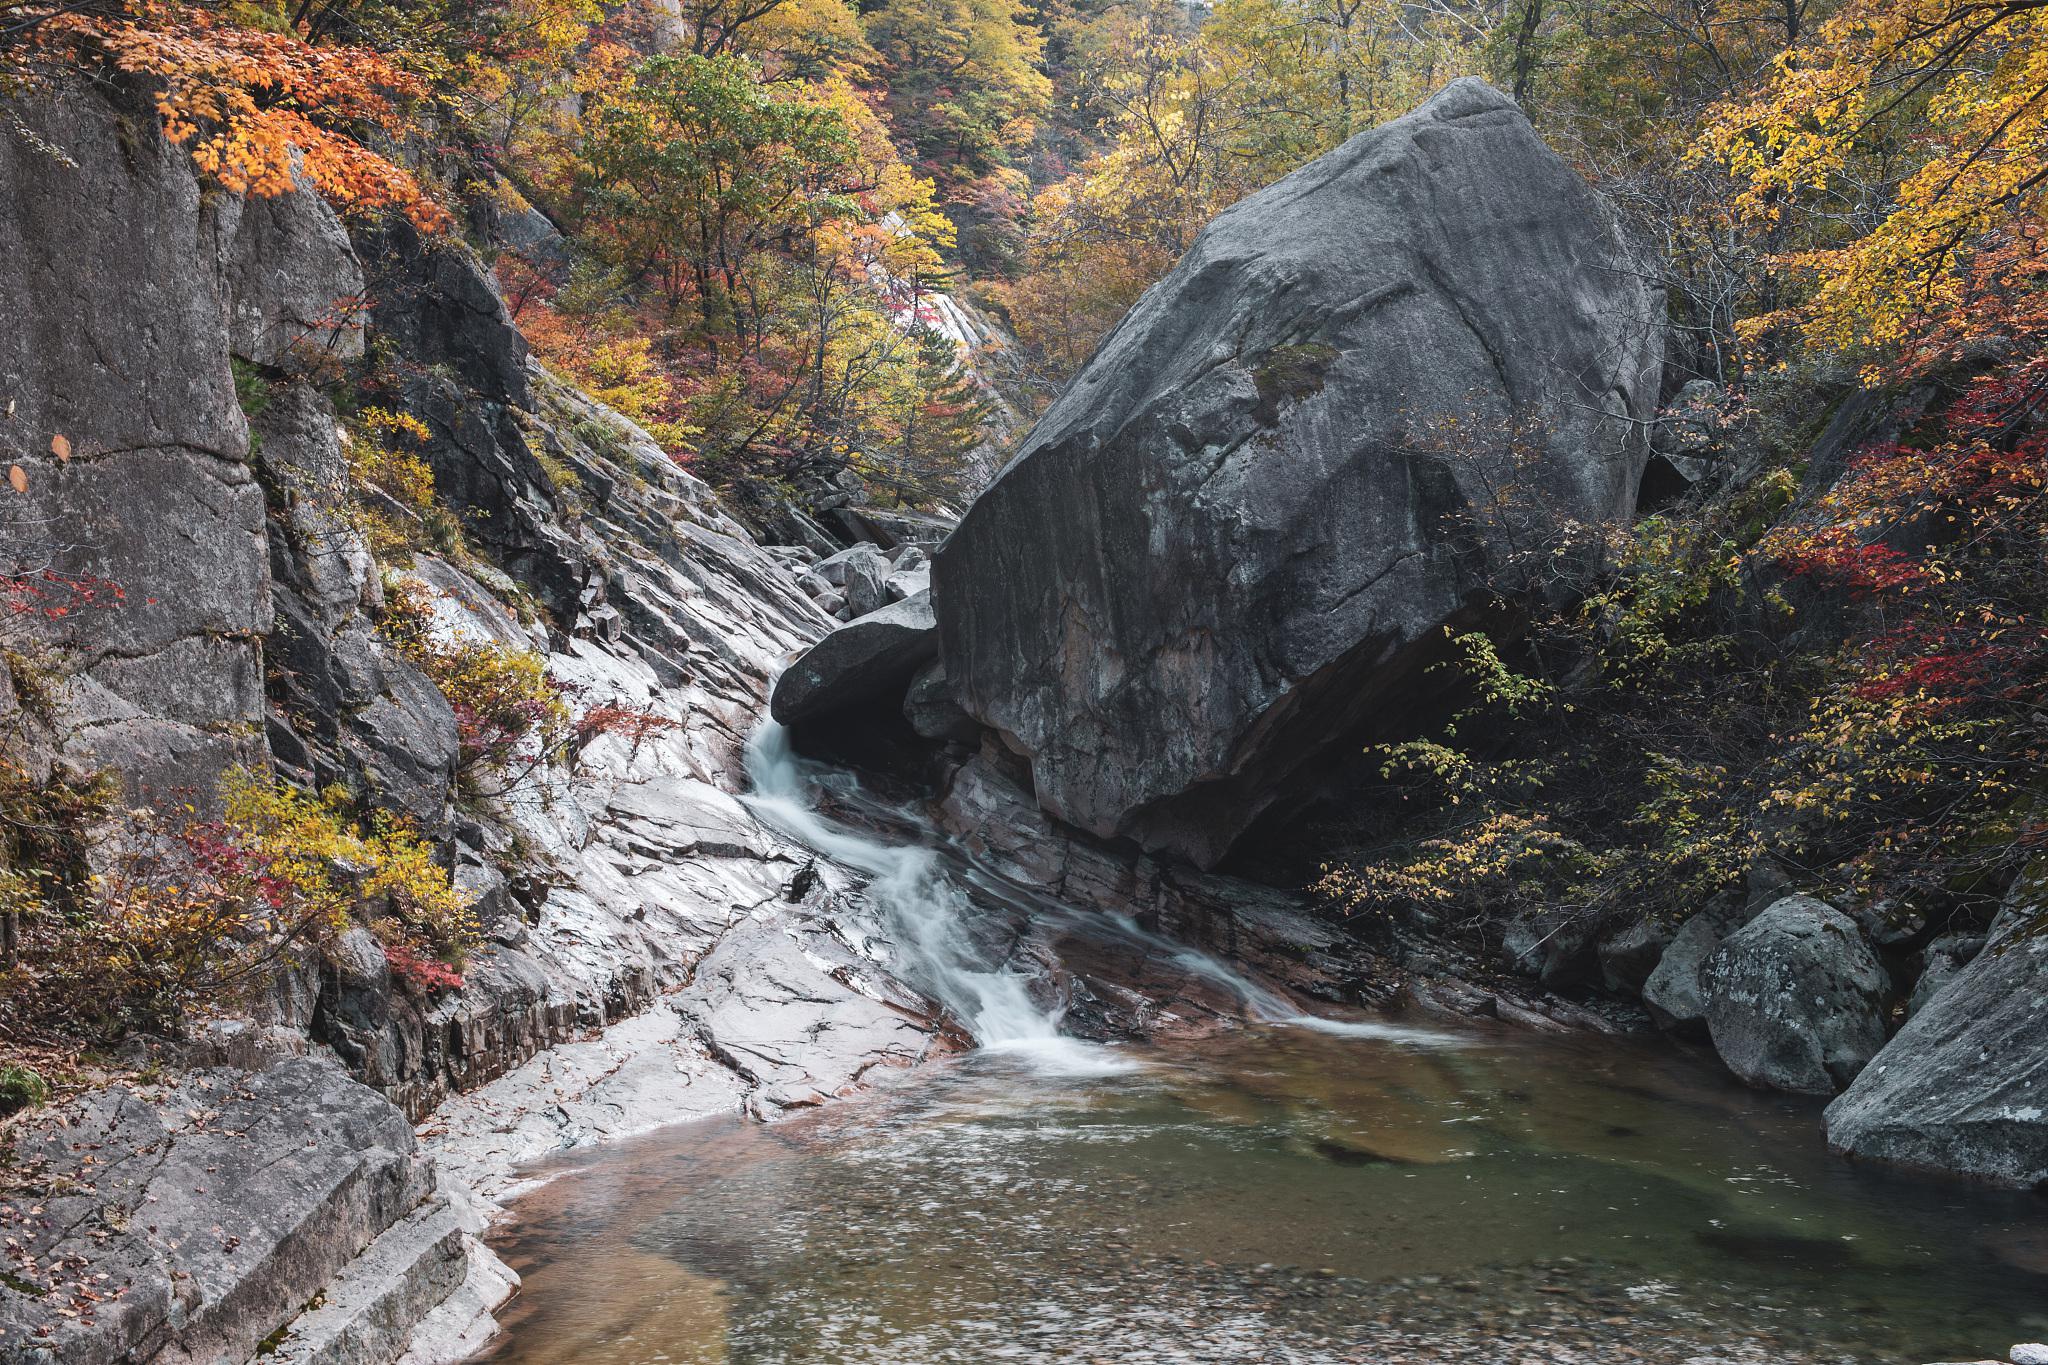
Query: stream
[{"x": 1301, "y": 1189}]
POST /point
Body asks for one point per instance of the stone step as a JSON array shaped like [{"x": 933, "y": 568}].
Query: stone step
[
  {"x": 464, "y": 1323},
  {"x": 368, "y": 1313}
]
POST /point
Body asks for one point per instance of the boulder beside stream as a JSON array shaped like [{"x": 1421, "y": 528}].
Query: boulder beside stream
[
  {"x": 1963, "y": 1088},
  {"x": 1245, "y": 522},
  {"x": 1795, "y": 998}
]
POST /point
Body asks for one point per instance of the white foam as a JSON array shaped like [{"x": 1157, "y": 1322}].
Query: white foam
[
  {"x": 1063, "y": 1056},
  {"x": 1375, "y": 1029}
]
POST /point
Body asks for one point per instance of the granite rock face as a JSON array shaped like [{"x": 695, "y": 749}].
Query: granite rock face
[
  {"x": 1940, "y": 962},
  {"x": 929, "y": 707},
  {"x": 994, "y": 821},
  {"x": 215, "y": 1208},
  {"x": 1235, "y": 533},
  {"x": 1795, "y": 999},
  {"x": 344, "y": 706},
  {"x": 123, "y": 419},
  {"x": 295, "y": 288},
  {"x": 772, "y": 1006},
  {"x": 1631, "y": 952}
]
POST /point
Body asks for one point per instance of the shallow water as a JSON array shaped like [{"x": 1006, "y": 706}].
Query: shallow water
[{"x": 1280, "y": 1195}]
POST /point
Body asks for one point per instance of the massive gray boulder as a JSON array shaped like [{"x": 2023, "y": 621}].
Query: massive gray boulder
[
  {"x": 868, "y": 660},
  {"x": 1963, "y": 1088},
  {"x": 1795, "y": 999},
  {"x": 929, "y": 707},
  {"x": 1250, "y": 516}
]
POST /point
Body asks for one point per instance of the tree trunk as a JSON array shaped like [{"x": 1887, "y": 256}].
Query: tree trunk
[{"x": 1525, "y": 48}]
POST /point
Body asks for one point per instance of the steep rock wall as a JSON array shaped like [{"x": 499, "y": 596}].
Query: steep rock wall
[
  {"x": 246, "y": 633},
  {"x": 120, "y": 412}
]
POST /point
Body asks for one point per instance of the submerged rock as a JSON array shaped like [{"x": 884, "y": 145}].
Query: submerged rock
[
  {"x": 1244, "y": 523},
  {"x": 1795, "y": 998}
]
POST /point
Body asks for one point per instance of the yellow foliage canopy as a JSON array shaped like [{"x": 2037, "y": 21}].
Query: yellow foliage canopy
[{"x": 1923, "y": 126}]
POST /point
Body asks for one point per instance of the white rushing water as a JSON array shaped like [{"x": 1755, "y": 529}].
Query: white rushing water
[{"x": 925, "y": 914}]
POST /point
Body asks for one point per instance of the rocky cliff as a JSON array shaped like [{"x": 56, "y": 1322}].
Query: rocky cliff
[{"x": 176, "y": 368}]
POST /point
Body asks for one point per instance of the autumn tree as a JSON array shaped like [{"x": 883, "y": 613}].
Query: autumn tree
[
  {"x": 696, "y": 168},
  {"x": 810, "y": 40},
  {"x": 1917, "y": 127},
  {"x": 1308, "y": 74},
  {"x": 966, "y": 91},
  {"x": 963, "y": 77},
  {"x": 936, "y": 413},
  {"x": 255, "y": 107}
]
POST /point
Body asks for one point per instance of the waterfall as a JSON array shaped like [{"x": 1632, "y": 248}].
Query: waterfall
[{"x": 923, "y": 912}]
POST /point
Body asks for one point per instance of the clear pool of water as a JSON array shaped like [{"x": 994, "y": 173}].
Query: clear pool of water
[{"x": 1280, "y": 1195}]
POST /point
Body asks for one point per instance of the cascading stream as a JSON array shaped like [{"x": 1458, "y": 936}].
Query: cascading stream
[
  {"x": 925, "y": 915},
  {"x": 922, "y": 910},
  {"x": 1267, "y": 1195}
]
